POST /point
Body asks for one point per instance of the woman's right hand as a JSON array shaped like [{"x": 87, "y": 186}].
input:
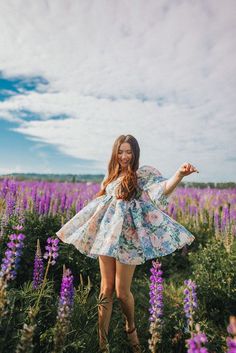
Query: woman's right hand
[{"x": 186, "y": 169}]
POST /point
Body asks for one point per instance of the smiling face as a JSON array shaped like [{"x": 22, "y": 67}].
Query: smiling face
[{"x": 124, "y": 154}]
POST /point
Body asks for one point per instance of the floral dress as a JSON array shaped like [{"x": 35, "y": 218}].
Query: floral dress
[{"x": 129, "y": 231}]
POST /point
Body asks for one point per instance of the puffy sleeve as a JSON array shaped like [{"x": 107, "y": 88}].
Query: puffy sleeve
[{"x": 152, "y": 182}]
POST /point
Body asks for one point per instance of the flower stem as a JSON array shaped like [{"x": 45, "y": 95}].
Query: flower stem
[{"x": 36, "y": 307}]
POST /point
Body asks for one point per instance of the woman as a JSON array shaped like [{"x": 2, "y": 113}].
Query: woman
[{"x": 123, "y": 226}]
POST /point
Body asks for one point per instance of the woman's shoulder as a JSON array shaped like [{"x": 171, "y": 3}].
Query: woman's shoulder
[
  {"x": 146, "y": 170},
  {"x": 148, "y": 175}
]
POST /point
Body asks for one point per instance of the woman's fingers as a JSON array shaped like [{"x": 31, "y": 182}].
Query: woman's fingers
[{"x": 189, "y": 168}]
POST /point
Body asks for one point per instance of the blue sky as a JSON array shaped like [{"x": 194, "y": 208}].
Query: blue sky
[
  {"x": 22, "y": 155},
  {"x": 19, "y": 153},
  {"x": 164, "y": 72}
]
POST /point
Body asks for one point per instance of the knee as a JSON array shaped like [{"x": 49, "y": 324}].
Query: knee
[
  {"x": 122, "y": 295},
  {"x": 107, "y": 290}
]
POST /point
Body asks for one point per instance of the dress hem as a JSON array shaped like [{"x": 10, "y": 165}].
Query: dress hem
[{"x": 95, "y": 255}]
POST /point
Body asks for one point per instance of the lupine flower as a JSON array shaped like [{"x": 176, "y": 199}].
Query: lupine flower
[
  {"x": 51, "y": 253},
  {"x": 64, "y": 309},
  {"x": 25, "y": 344},
  {"x": 66, "y": 293},
  {"x": 38, "y": 267},
  {"x": 52, "y": 250},
  {"x": 217, "y": 224},
  {"x": 231, "y": 344},
  {"x": 196, "y": 342},
  {"x": 10, "y": 262},
  {"x": 9, "y": 267},
  {"x": 156, "y": 301},
  {"x": 18, "y": 227},
  {"x": 190, "y": 302},
  {"x": 156, "y": 289}
]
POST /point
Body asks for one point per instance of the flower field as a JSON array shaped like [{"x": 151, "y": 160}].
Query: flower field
[{"x": 184, "y": 302}]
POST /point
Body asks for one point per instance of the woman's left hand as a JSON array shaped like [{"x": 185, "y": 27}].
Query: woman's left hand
[{"x": 186, "y": 169}]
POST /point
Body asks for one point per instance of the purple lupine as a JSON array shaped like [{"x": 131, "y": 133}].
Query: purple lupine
[
  {"x": 231, "y": 344},
  {"x": 156, "y": 301},
  {"x": 51, "y": 254},
  {"x": 52, "y": 250},
  {"x": 225, "y": 219},
  {"x": 47, "y": 204},
  {"x": 190, "y": 302},
  {"x": 66, "y": 293},
  {"x": 217, "y": 224},
  {"x": 63, "y": 202},
  {"x": 10, "y": 262},
  {"x": 10, "y": 205},
  {"x": 9, "y": 267},
  {"x": 65, "y": 306},
  {"x": 156, "y": 288},
  {"x": 196, "y": 342},
  {"x": 38, "y": 267}
]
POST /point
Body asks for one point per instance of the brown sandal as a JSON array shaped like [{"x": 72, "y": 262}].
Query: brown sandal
[
  {"x": 104, "y": 347},
  {"x": 136, "y": 347}
]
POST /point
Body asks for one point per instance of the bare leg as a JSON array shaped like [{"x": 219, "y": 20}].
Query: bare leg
[
  {"x": 107, "y": 268},
  {"x": 123, "y": 279}
]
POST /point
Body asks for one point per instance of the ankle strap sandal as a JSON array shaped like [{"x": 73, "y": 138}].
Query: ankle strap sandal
[{"x": 136, "y": 347}]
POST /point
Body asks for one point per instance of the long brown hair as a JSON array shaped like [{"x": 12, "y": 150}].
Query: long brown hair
[{"x": 127, "y": 188}]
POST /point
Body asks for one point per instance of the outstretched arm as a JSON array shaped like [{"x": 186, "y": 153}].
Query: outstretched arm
[{"x": 184, "y": 170}]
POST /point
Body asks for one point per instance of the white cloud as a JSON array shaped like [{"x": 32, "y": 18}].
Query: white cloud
[{"x": 110, "y": 63}]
